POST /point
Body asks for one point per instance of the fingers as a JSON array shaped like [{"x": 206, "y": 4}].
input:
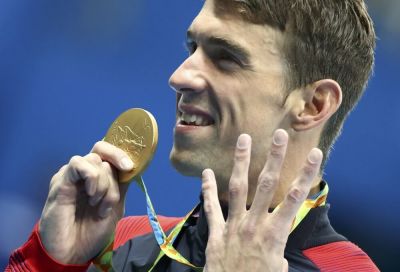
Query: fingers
[
  {"x": 112, "y": 194},
  {"x": 102, "y": 185},
  {"x": 99, "y": 180},
  {"x": 80, "y": 169},
  {"x": 107, "y": 193},
  {"x": 238, "y": 183},
  {"x": 117, "y": 157},
  {"x": 269, "y": 177},
  {"x": 211, "y": 204},
  {"x": 300, "y": 189},
  {"x": 91, "y": 184}
]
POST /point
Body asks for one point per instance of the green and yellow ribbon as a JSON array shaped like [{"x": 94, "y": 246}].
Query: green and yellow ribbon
[{"x": 104, "y": 261}]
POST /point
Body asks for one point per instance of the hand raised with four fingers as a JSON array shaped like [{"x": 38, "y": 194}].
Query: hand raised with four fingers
[{"x": 255, "y": 239}]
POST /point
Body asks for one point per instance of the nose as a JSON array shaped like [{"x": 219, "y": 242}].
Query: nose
[{"x": 189, "y": 77}]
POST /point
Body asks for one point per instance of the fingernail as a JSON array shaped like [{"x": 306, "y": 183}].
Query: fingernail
[
  {"x": 280, "y": 137},
  {"x": 105, "y": 212},
  {"x": 126, "y": 164},
  {"x": 243, "y": 141},
  {"x": 315, "y": 156},
  {"x": 206, "y": 174}
]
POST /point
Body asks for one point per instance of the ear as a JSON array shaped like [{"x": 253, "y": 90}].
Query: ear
[{"x": 320, "y": 101}]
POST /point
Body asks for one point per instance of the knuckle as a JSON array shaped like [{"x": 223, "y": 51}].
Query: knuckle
[
  {"x": 276, "y": 153},
  {"x": 94, "y": 157},
  {"x": 54, "y": 180},
  {"x": 296, "y": 195},
  {"x": 267, "y": 181},
  {"x": 62, "y": 169},
  {"x": 102, "y": 187},
  {"x": 275, "y": 241},
  {"x": 249, "y": 232},
  {"x": 206, "y": 186},
  {"x": 97, "y": 146},
  {"x": 100, "y": 148},
  {"x": 206, "y": 178},
  {"x": 112, "y": 198},
  {"x": 235, "y": 189},
  {"x": 207, "y": 207},
  {"x": 270, "y": 228},
  {"x": 93, "y": 175},
  {"x": 309, "y": 170},
  {"x": 241, "y": 155},
  {"x": 106, "y": 167},
  {"x": 74, "y": 161},
  {"x": 58, "y": 175},
  {"x": 234, "y": 192}
]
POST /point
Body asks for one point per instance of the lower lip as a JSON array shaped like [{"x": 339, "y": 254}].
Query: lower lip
[{"x": 181, "y": 128}]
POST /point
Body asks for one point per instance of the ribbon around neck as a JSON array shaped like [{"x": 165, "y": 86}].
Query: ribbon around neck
[{"x": 104, "y": 260}]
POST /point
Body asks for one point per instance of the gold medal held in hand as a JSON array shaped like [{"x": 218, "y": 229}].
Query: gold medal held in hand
[{"x": 135, "y": 132}]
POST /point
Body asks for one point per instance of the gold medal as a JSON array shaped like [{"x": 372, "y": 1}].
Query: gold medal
[{"x": 135, "y": 132}]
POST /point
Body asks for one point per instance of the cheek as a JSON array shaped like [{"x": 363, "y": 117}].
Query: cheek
[
  {"x": 248, "y": 113},
  {"x": 251, "y": 104},
  {"x": 231, "y": 123}
]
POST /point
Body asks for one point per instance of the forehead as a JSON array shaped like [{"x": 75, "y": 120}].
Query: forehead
[{"x": 212, "y": 22}]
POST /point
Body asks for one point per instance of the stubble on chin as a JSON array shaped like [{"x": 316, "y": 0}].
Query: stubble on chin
[{"x": 184, "y": 163}]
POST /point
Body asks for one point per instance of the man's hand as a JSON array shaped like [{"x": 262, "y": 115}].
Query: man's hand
[
  {"x": 84, "y": 204},
  {"x": 254, "y": 240}
]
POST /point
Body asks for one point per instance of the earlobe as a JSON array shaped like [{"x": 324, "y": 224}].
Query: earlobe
[{"x": 321, "y": 100}]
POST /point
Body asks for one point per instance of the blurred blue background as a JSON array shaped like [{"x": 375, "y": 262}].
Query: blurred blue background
[{"x": 68, "y": 68}]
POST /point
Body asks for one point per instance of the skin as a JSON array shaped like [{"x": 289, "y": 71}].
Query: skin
[
  {"x": 84, "y": 204},
  {"x": 247, "y": 102},
  {"x": 248, "y": 97},
  {"x": 245, "y": 97},
  {"x": 254, "y": 239}
]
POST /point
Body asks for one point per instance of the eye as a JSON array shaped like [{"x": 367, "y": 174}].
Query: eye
[
  {"x": 225, "y": 60},
  {"x": 224, "y": 56}
]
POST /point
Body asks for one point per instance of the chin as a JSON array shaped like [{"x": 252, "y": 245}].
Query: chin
[{"x": 183, "y": 162}]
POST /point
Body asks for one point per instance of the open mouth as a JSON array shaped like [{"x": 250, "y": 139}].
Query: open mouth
[{"x": 195, "y": 119}]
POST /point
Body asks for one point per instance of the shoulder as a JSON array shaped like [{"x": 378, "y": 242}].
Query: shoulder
[
  {"x": 340, "y": 256},
  {"x": 133, "y": 226}
]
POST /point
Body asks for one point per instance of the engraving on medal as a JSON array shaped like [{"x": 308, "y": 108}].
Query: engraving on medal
[
  {"x": 128, "y": 140},
  {"x": 146, "y": 124},
  {"x": 135, "y": 132}
]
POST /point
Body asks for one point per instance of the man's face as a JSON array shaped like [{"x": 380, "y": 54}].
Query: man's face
[{"x": 231, "y": 83}]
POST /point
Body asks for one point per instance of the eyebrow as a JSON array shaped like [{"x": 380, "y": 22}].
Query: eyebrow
[{"x": 229, "y": 45}]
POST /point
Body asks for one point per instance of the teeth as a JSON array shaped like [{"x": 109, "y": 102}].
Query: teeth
[
  {"x": 185, "y": 117},
  {"x": 199, "y": 121},
  {"x": 194, "y": 119}
]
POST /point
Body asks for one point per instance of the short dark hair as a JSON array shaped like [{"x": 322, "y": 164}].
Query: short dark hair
[{"x": 332, "y": 39}]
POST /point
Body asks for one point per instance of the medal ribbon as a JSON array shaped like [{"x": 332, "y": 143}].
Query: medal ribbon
[
  {"x": 104, "y": 261},
  {"x": 166, "y": 242},
  {"x": 168, "y": 249}
]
